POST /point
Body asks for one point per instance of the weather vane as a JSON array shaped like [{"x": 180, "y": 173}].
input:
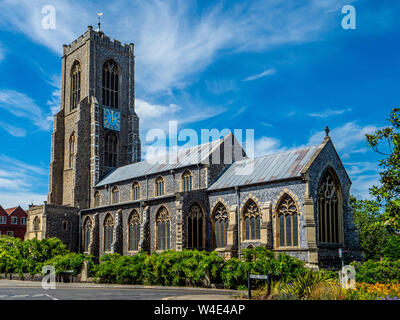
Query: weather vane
[{"x": 99, "y": 14}]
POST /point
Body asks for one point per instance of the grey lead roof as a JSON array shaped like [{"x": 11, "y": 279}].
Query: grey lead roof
[
  {"x": 265, "y": 169},
  {"x": 182, "y": 158}
]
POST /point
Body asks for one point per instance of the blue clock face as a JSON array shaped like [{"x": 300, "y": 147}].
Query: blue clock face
[{"x": 112, "y": 119}]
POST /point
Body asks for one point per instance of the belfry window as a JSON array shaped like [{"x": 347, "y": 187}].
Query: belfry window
[
  {"x": 220, "y": 224},
  {"x": 163, "y": 225},
  {"x": 75, "y": 85},
  {"x": 134, "y": 231},
  {"x": 110, "y": 84},
  {"x": 251, "y": 219},
  {"x": 287, "y": 222},
  {"x": 87, "y": 227},
  {"x": 108, "y": 232},
  {"x": 195, "y": 227},
  {"x": 111, "y": 150},
  {"x": 328, "y": 209}
]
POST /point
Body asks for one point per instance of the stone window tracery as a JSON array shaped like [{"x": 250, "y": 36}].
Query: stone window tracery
[
  {"x": 195, "y": 227},
  {"x": 75, "y": 85},
  {"x": 163, "y": 225},
  {"x": 87, "y": 227},
  {"x": 251, "y": 217},
  {"x": 159, "y": 186},
  {"x": 221, "y": 221},
  {"x": 287, "y": 222},
  {"x": 136, "y": 191},
  {"x": 108, "y": 232},
  {"x": 187, "y": 181},
  {"x": 110, "y": 84},
  {"x": 328, "y": 209},
  {"x": 111, "y": 150},
  {"x": 134, "y": 231}
]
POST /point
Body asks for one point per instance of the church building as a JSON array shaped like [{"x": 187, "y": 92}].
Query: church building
[{"x": 104, "y": 199}]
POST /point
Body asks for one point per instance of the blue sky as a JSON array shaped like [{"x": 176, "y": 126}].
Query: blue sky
[{"x": 283, "y": 68}]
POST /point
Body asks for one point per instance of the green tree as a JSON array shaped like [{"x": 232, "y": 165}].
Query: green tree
[
  {"x": 372, "y": 235},
  {"x": 386, "y": 142}
]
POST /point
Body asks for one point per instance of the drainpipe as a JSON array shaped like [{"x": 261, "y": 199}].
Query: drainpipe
[{"x": 238, "y": 218}]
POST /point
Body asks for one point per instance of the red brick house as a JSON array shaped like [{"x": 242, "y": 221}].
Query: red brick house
[{"x": 13, "y": 222}]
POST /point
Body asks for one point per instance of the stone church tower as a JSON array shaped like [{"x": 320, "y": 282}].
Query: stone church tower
[
  {"x": 97, "y": 128},
  {"x": 95, "y": 131}
]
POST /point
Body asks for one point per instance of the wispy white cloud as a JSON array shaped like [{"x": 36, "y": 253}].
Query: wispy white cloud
[
  {"x": 13, "y": 130},
  {"x": 218, "y": 87},
  {"x": 329, "y": 112},
  {"x": 364, "y": 175},
  {"x": 20, "y": 105},
  {"x": 267, "y": 145},
  {"x": 16, "y": 187},
  {"x": 265, "y": 73},
  {"x": 172, "y": 40}
]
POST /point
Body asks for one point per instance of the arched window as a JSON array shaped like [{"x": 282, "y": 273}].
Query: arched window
[
  {"x": 134, "y": 231},
  {"x": 136, "y": 191},
  {"x": 71, "y": 150},
  {"x": 187, "y": 181},
  {"x": 110, "y": 84},
  {"x": 251, "y": 219},
  {"x": 36, "y": 224},
  {"x": 114, "y": 195},
  {"x": 65, "y": 225},
  {"x": 97, "y": 199},
  {"x": 329, "y": 209},
  {"x": 163, "y": 225},
  {"x": 87, "y": 227},
  {"x": 195, "y": 227},
  {"x": 287, "y": 218},
  {"x": 159, "y": 186},
  {"x": 75, "y": 85},
  {"x": 108, "y": 232},
  {"x": 111, "y": 150},
  {"x": 220, "y": 224}
]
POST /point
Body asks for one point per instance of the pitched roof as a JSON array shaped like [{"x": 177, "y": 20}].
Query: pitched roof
[
  {"x": 267, "y": 168},
  {"x": 10, "y": 210},
  {"x": 182, "y": 158}
]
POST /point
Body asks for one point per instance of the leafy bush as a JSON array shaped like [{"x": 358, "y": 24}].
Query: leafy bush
[
  {"x": 384, "y": 271},
  {"x": 70, "y": 261},
  {"x": 18, "y": 256},
  {"x": 392, "y": 247}
]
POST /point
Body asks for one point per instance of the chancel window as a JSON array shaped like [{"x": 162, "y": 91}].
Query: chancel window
[
  {"x": 187, "y": 181},
  {"x": 36, "y": 224},
  {"x": 75, "y": 85},
  {"x": 163, "y": 225},
  {"x": 111, "y": 150},
  {"x": 136, "y": 191},
  {"x": 195, "y": 227},
  {"x": 110, "y": 84},
  {"x": 71, "y": 150},
  {"x": 287, "y": 222},
  {"x": 108, "y": 232},
  {"x": 251, "y": 219},
  {"x": 134, "y": 231},
  {"x": 159, "y": 186},
  {"x": 87, "y": 227},
  {"x": 220, "y": 223},
  {"x": 328, "y": 209},
  {"x": 115, "y": 195}
]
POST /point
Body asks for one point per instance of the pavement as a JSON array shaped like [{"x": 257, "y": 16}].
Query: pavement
[{"x": 32, "y": 290}]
